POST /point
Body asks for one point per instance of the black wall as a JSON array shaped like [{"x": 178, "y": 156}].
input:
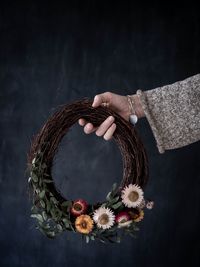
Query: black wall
[{"x": 51, "y": 54}]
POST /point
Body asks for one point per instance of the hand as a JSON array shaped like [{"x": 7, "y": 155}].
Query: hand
[{"x": 117, "y": 103}]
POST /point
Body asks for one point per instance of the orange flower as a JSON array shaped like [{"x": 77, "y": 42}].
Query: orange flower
[
  {"x": 84, "y": 224},
  {"x": 136, "y": 215},
  {"x": 139, "y": 217}
]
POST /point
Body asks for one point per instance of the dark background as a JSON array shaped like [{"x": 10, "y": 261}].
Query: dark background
[{"x": 51, "y": 54}]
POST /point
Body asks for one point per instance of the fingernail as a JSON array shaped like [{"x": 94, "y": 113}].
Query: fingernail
[{"x": 111, "y": 118}]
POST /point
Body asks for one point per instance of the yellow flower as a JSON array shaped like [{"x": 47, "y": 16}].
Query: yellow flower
[
  {"x": 137, "y": 215},
  {"x": 84, "y": 224}
]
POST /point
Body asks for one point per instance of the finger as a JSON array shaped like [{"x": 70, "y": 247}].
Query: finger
[
  {"x": 82, "y": 122},
  {"x": 104, "y": 126},
  {"x": 89, "y": 128},
  {"x": 109, "y": 133},
  {"x": 99, "y": 99}
]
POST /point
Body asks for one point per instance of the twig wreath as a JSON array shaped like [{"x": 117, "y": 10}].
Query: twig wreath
[{"x": 123, "y": 207}]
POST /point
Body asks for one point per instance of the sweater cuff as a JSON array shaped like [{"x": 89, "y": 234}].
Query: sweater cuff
[{"x": 151, "y": 120}]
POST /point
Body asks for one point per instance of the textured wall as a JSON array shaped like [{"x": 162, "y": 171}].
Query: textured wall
[{"x": 52, "y": 54}]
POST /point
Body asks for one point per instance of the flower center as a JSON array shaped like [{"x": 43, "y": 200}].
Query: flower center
[
  {"x": 123, "y": 220},
  {"x": 84, "y": 224},
  {"x": 104, "y": 219},
  {"x": 133, "y": 196},
  {"x": 77, "y": 206}
]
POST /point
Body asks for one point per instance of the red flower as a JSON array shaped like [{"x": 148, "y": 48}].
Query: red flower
[
  {"x": 122, "y": 216},
  {"x": 79, "y": 207}
]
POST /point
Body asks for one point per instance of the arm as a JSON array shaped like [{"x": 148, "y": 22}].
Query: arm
[{"x": 173, "y": 112}]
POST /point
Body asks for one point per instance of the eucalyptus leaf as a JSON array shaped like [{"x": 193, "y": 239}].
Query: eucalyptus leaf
[
  {"x": 54, "y": 200},
  {"x": 92, "y": 237},
  {"x": 42, "y": 194},
  {"x": 72, "y": 227},
  {"x": 44, "y": 215},
  {"x": 44, "y": 165},
  {"x": 104, "y": 205},
  {"x": 117, "y": 205},
  {"x": 65, "y": 220},
  {"x": 47, "y": 181},
  {"x": 59, "y": 227},
  {"x": 114, "y": 188},
  {"x": 42, "y": 203},
  {"x": 114, "y": 200},
  {"x": 66, "y": 203},
  {"x": 51, "y": 234},
  {"x": 48, "y": 206},
  {"x": 87, "y": 239},
  {"x": 34, "y": 177},
  {"x": 109, "y": 196},
  {"x": 38, "y": 217},
  {"x": 102, "y": 240}
]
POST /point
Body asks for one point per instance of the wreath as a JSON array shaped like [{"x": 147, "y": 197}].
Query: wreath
[{"x": 124, "y": 205}]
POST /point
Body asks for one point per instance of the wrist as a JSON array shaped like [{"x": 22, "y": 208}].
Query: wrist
[
  {"x": 138, "y": 106},
  {"x": 135, "y": 106}
]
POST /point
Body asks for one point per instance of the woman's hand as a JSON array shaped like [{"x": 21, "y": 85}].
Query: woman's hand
[{"x": 117, "y": 103}]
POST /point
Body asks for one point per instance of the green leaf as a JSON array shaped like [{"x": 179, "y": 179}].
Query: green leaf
[
  {"x": 114, "y": 188},
  {"x": 66, "y": 203},
  {"x": 103, "y": 240},
  {"x": 109, "y": 196},
  {"x": 38, "y": 217},
  {"x": 92, "y": 237},
  {"x": 42, "y": 203},
  {"x": 54, "y": 200},
  {"x": 104, "y": 205},
  {"x": 65, "y": 220},
  {"x": 117, "y": 205},
  {"x": 34, "y": 177},
  {"x": 59, "y": 227},
  {"x": 42, "y": 194},
  {"x": 87, "y": 239},
  {"x": 44, "y": 165},
  {"x": 48, "y": 206},
  {"x": 47, "y": 181},
  {"x": 44, "y": 215},
  {"x": 51, "y": 234},
  {"x": 114, "y": 200},
  {"x": 72, "y": 227}
]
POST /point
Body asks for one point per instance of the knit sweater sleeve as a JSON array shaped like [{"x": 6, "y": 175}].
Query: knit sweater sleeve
[{"x": 173, "y": 112}]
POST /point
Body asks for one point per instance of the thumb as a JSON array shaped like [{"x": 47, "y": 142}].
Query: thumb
[{"x": 99, "y": 99}]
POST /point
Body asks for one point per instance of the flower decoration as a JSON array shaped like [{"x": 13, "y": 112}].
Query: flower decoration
[
  {"x": 132, "y": 195},
  {"x": 84, "y": 224},
  {"x": 121, "y": 211},
  {"x": 79, "y": 207},
  {"x": 136, "y": 214},
  {"x": 149, "y": 204},
  {"x": 123, "y": 219},
  {"x": 123, "y": 216},
  {"x": 104, "y": 218}
]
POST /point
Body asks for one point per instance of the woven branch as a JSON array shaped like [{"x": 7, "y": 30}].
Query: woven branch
[{"x": 135, "y": 162}]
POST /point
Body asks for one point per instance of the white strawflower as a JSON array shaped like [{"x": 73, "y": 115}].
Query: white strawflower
[
  {"x": 104, "y": 217},
  {"x": 132, "y": 195}
]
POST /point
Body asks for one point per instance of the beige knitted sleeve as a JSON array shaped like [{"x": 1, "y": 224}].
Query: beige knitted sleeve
[{"x": 173, "y": 112}]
